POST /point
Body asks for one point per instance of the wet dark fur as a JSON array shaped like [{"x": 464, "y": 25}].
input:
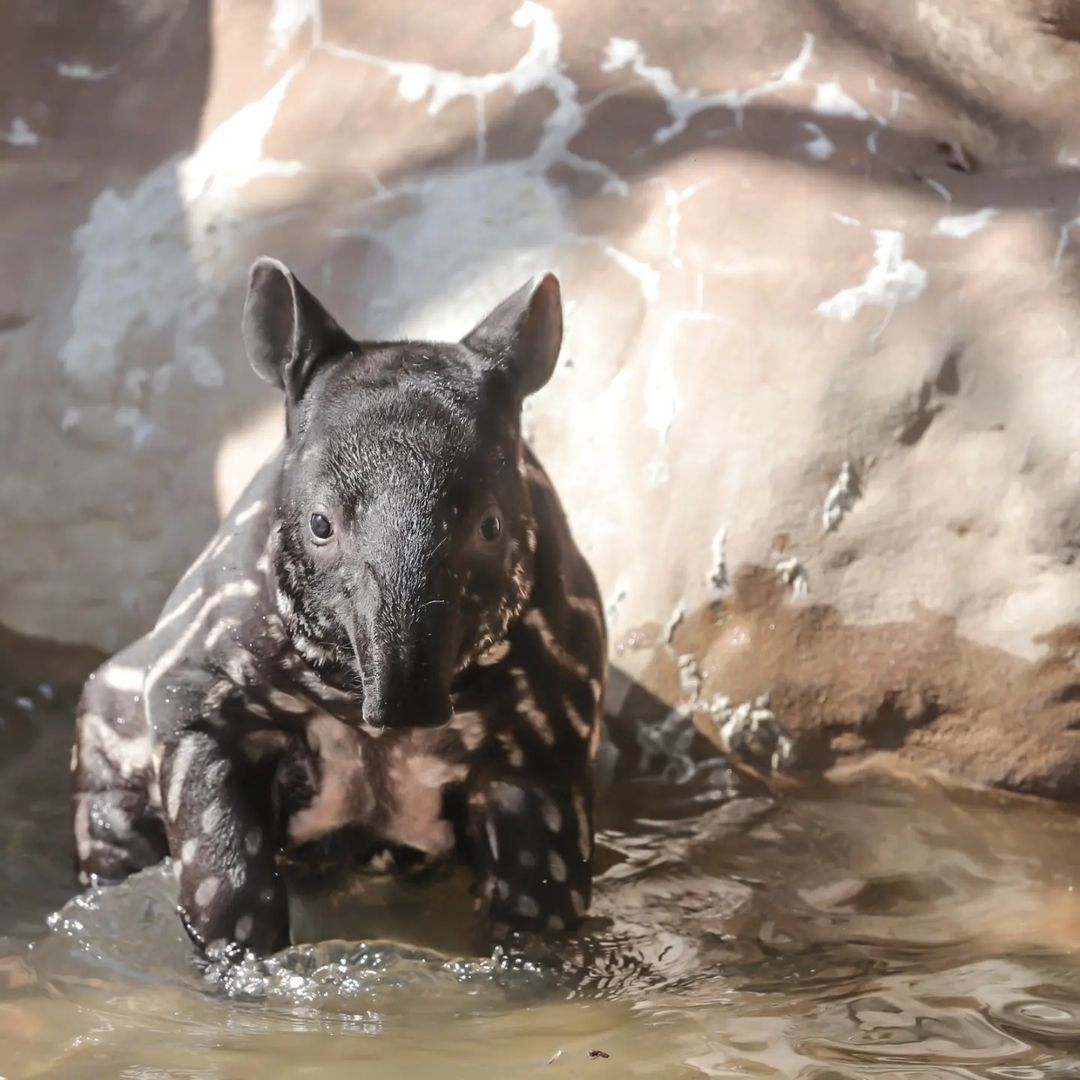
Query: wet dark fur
[{"x": 420, "y": 687}]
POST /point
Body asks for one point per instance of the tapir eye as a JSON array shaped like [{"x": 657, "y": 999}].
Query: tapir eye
[
  {"x": 491, "y": 527},
  {"x": 321, "y": 528}
]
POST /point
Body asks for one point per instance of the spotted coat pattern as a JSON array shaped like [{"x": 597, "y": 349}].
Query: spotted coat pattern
[{"x": 226, "y": 739}]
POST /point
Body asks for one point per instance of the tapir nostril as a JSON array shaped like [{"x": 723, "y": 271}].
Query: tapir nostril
[{"x": 406, "y": 710}]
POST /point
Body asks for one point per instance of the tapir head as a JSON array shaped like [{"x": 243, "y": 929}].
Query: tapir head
[{"x": 404, "y": 535}]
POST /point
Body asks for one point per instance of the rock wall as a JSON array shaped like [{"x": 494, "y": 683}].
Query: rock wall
[{"x": 817, "y": 420}]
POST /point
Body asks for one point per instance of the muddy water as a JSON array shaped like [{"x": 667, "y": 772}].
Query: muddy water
[{"x": 876, "y": 927}]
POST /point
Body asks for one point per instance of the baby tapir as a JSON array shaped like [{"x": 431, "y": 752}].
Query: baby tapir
[{"x": 392, "y": 634}]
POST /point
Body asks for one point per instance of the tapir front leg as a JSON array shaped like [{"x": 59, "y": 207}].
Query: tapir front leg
[
  {"x": 218, "y": 823},
  {"x": 532, "y": 852},
  {"x": 117, "y": 829}
]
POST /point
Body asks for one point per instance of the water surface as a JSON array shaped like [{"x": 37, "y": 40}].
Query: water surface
[{"x": 877, "y": 927}]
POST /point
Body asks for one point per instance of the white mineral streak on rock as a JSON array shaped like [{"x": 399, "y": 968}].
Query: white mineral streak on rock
[
  {"x": 673, "y": 202},
  {"x": 938, "y": 188},
  {"x": 716, "y": 577},
  {"x": 691, "y": 679},
  {"x": 892, "y": 280},
  {"x": 840, "y": 498},
  {"x": 673, "y": 623},
  {"x": 540, "y": 67},
  {"x": 1064, "y": 236},
  {"x": 19, "y": 134},
  {"x": 661, "y": 391},
  {"x": 793, "y": 574},
  {"x": 751, "y": 726},
  {"x": 961, "y": 226},
  {"x": 831, "y": 100},
  {"x": 661, "y": 394},
  {"x": 647, "y": 277},
  {"x": 820, "y": 147},
  {"x": 83, "y": 71},
  {"x": 288, "y": 18},
  {"x": 619, "y": 592},
  {"x": 472, "y": 227},
  {"x": 129, "y": 418},
  {"x": 684, "y": 105},
  {"x": 156, "y": 258}
]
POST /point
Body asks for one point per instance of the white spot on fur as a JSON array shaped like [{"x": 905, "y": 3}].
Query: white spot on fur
[
  {"x": 550, "y": 815},
  {"x": 244, "y": 925},
  {"x": 83, "y": 841},
  {"x": 128, "y": 680},
  {"x": 216, "y": 632},
  {"x": 528, "y": 907},
  {"x": 181, "y": 609},
  {"x": 492, "y": 838},
  {"x": 534, "y": 618},
  {"x": 245, "y": 515},
  {"x": 188, "y": 850},
  {"x": 253, "y": 840},
  {"x": 178, "y": 770},
  {"x": 178, "y": 649},
  {"x": 207, "y": 890},
  {"x": 577, "y": 902},
  {"x": 494, "y": 654},
  {"x": 515, "y": 756},
  {"x": 577, "y": 721},
  {"x": 508, "y": 797},
  {"x": 211, "y": 819},
  {"x": 557, "y": 866},
  {"x": 129, "y": 756},
  {"x": 584, "y": 836}
]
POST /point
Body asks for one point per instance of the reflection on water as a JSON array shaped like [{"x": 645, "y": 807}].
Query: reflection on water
[{"x": 874, "y": 928}]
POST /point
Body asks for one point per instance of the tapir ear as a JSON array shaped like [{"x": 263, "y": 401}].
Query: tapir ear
[
  {"x": 522, "y": 336},
  {"x": 286, "y": 330}
]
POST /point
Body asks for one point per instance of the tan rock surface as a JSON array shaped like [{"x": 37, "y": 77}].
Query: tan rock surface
[{"x": 823, "y": 320}]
